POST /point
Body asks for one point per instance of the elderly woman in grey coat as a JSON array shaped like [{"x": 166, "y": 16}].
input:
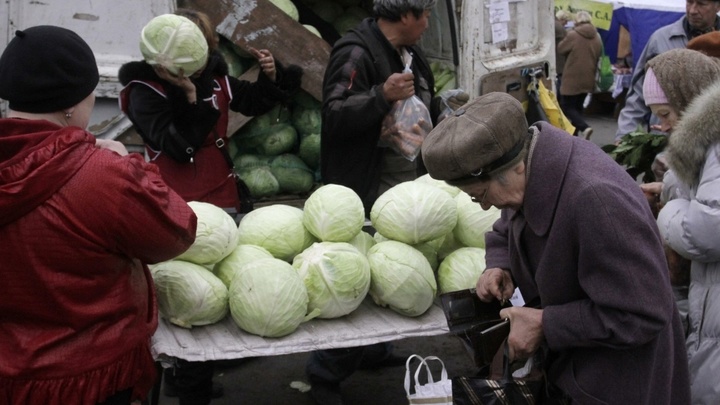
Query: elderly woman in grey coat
[{"x": 578, "y": 239}]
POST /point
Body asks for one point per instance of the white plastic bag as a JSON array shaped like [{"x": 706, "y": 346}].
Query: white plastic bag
[
  {"x": 432, "y": 392},
  {"x": 406, "y": 125}
]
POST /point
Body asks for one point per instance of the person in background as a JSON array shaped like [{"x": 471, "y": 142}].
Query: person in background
[
  {"x": 688, "y": 224},
  {"x": 78, "y": 307},
  {"x": 561, "y": 19},
  {"x": 182, "y": 118},
  {"x": 687, "y": 106},
  {"x": 582, "y": 48},
  {"x": 577, "y": 238},
  {"x": 362, "y": 81},
  {"x": 700, "y": 18},
  {"x": 668, "y": 94},
  {"x": 183, "y": 121}
]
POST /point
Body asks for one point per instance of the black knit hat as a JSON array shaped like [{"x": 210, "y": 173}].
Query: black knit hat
[{"x": 46, "y": 69}]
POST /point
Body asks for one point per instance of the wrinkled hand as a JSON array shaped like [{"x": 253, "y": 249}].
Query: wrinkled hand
[
  {"x": 179, "y": 80},
  {"x": 495, "y": 283},
  {"x": 266, "y": 60},
  {"x": 111, "y": 145},
  {"x": 652, "y": 193},
  {"x": 526, "y": 332},
  {"x": 458, "y": 100},
  {"x": 659, "y": 166},
  {"x": 399, "y": 86}
]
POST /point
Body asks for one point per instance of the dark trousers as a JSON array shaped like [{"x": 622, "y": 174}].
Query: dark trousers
[
  {"x": 572, "y": 106},
  {"x": 192, "y": 381},
  {"x": 335, "y": 365}
]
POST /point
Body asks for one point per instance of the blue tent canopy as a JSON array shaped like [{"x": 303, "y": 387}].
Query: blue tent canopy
[{"x": 641, "y": 22}]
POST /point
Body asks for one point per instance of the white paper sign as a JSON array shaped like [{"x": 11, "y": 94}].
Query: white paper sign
[
  {"x": 499, "y": 12},
  {"x": 499, "y": 32}
]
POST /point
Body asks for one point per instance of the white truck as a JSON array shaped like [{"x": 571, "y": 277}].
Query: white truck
[{"x": 489, "y": 43}]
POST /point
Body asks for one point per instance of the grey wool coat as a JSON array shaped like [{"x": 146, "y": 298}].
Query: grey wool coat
[
  {"x": 585, "y": 248},
  {"x": 690, "y": 224}
]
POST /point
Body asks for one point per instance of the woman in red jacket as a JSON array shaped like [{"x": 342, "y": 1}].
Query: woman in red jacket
[{"x": 79, "y": 220}]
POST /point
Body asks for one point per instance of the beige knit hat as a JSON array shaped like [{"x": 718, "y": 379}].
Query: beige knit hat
[{"x": 480, "y": 137}]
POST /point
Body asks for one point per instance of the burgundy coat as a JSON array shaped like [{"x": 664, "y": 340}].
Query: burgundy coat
[
  {"x": 77, "y": 226},
  {"x": 586, "y": 248}
]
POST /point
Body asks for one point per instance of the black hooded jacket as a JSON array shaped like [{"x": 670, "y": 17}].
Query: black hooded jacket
[
  {"x": 176, "y": 127},
  {"x": 354, "y": 106}
]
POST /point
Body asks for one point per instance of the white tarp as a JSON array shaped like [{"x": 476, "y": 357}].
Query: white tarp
[{"x": 224, "y": 340}]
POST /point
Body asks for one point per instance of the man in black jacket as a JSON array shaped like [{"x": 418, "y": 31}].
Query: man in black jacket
[{"x": 362, "y": 81}]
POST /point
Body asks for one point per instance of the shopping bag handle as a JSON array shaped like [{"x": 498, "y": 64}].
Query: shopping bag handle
[{"x": 423, "y": 362}]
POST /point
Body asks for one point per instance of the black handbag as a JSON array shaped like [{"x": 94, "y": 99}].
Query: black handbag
[
  {"x": 500, "y": 390},
  {"x": 476, "y": 323}
]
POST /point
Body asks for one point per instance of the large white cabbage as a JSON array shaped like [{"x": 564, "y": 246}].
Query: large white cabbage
[
  {"x": 216, "y": 235},
  {"x": 336, "y": 275},
  {"x": 413, "y": 212},
  {"x": 401, "y": 278},
  {"x": 189, "y": 294},
  {"x": 452, "y": 190},
  {"x": 363, "y": 241},
  {"x": 461, "y": 269},
  {"x": 278, "y": 228},
  {"x": 268, "y": 298},
  {"x": 334, "y": 213},
  {"x": 226, "y": 268},
  {"x": 473, "y": 221},
  {"x": 174, "y": 42}
]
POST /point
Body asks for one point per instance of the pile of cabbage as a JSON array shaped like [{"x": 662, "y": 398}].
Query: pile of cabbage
[{"x": 282, "y": 265}]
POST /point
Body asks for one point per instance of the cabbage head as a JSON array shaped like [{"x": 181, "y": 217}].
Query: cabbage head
[
  {"x": 430, "y": 252},
  {"x": 414, "y": 212},
  {"x": 309, "y": 150},
  {"x": 401, "y": 278},
  {"x": 452, "y": 190},
  {"x": 306, "y": 120},
  {"x": 278, "y": 228},
  {"x": 336, "y": 275},
  {"x": 189, "y": 294},
  {"x": 449, "y": 244},
  {"x": 292, "y": 174},
  {"x": 473, "y": 221},
  {"x": 216, "y": 235},
  {"x": 227, "y": 267},
  {"x": 461, "y": 269},
  {"x": 174, "y": 42},
  {"x": 334, "y": 213},
  {"x": 260, "y": 181},
  {"x": 363, "y": 241},
  {"x": 268, "y": 298},
  {"x": 287, "y": 7}
]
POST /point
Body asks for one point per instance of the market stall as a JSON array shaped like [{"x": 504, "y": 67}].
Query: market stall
[{"x": 368, "y": 324}]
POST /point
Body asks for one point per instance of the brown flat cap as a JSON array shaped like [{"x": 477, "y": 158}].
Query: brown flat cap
[
  {"x": 476, "y": 139},
  {"x": 709, "y": 44}
]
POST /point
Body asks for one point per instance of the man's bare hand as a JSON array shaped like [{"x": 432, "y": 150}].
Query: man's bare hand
[
  {"x": 399, "y": 86},
  {"x": 526, "y": 332},
  {"x": 495, "y": 283}
]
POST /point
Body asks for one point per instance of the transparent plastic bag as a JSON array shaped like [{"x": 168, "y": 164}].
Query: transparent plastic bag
[
  {"x": 404, "y": 129},
  {"x": 407, "y": 124}
]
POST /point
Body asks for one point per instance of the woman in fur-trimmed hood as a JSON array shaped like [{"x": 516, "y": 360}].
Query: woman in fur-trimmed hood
[{"x": 689, "y": 224}]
